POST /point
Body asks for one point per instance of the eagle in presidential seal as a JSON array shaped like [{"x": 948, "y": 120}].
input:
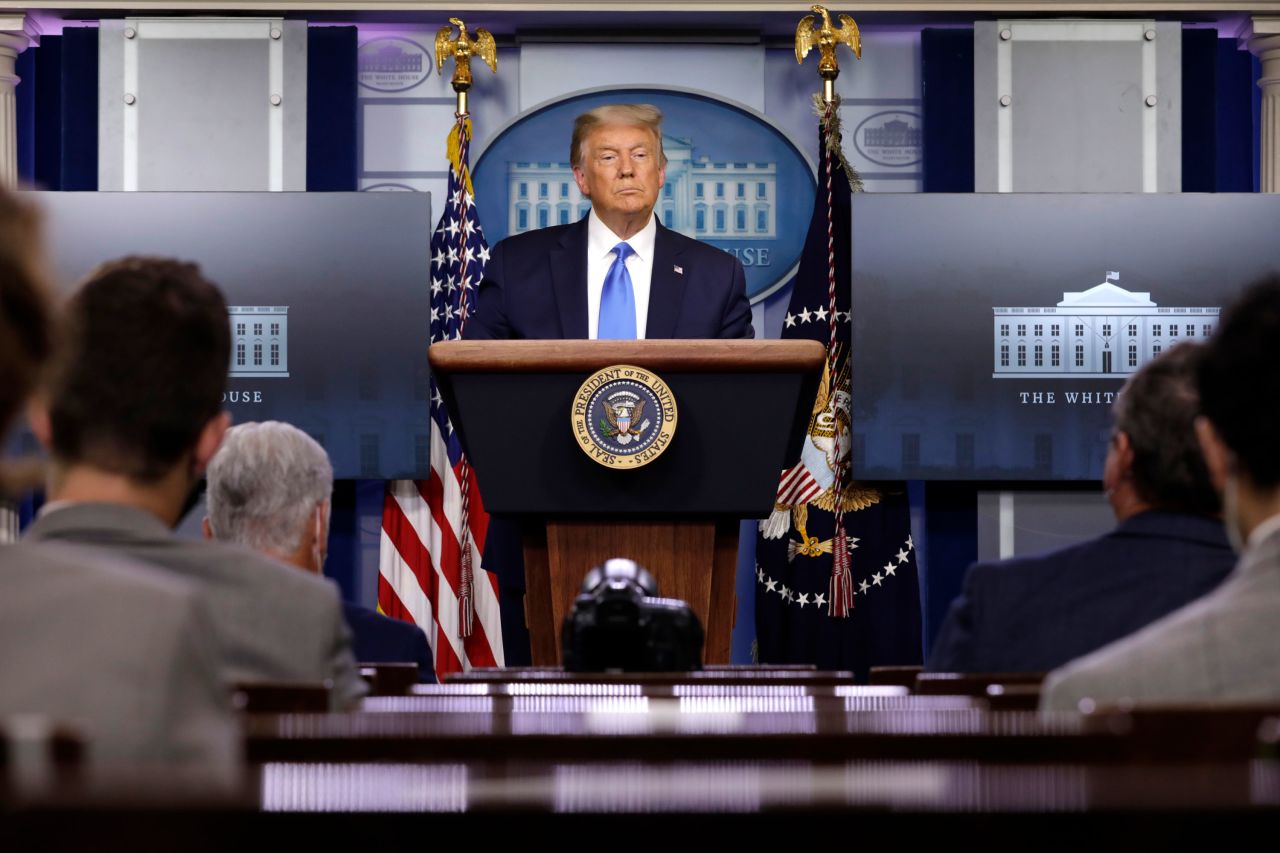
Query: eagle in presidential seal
[{"x": 623, "y": 417}]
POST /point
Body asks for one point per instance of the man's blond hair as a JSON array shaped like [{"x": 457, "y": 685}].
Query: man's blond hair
[{"x": 627, "y": 115}]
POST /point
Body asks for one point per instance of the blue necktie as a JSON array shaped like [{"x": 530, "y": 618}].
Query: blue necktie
[{"x": 618, "y": 300}]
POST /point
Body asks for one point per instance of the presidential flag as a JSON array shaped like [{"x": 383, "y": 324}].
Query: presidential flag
[
  {"x": 835, "y": 562},
  {"x": 433, "y": 530}
]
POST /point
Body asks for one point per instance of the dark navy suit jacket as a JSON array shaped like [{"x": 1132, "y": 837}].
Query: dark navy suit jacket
[
  {"x": 1034, "y": 614},
  {"x": 377, "y": 639},
  {"x": 535, "y": 286}
]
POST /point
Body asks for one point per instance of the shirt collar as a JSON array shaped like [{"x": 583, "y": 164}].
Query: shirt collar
[
  {"x": 1178, "y": 525},
  {"x": 54, "y": 506},
  {"x": 1263, "y": 531},
  {"x": 600, "y": 240}
]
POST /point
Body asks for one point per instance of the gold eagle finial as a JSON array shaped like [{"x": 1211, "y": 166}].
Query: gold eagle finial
[
  {"x": 826, "y": 38},
  {"x": 462, "y": 49}
]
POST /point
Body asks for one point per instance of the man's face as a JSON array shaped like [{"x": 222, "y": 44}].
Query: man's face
[{"x": 621, "y": 170}]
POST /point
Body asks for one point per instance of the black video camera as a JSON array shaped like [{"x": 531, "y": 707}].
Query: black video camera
[{"x": 618, "y": 623}]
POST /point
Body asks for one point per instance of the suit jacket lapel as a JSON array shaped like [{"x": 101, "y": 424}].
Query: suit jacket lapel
[
  {"x": 666, "y": 287},
  {"x": 569, "y": 280}
]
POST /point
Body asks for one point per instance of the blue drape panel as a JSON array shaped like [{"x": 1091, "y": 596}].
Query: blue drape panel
[
  {"x": 1199, "y": 111},
  {"x": 949, "y": 541},
  {"x": 47, "y": 87},
  {"x": 25, "y": 115},
  {"x": 331, "y": 109},
  {"x": 1237, "y": 88},
  {"x": 946, "y": 76},
  {"x": 79, "y": 109}
]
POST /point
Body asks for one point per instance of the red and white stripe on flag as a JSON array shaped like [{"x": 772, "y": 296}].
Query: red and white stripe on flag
[
  {"x": 420, "y": 566},
  {"x": 797, "y": 486}
]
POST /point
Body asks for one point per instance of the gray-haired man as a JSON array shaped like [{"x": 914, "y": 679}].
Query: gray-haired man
[{"x": 270, "y": 488}]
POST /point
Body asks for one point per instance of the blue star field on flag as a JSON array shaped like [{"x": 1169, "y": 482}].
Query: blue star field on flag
[{"x": 458, "y": 257}]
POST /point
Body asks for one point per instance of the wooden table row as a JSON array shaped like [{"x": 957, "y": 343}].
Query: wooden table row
[
  {"x": 735, "y": 753},
  {"x": 687, "y": 805}
]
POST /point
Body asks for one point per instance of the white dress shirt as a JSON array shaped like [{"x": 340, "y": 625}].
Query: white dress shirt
[{"x": 600, "y": 256}]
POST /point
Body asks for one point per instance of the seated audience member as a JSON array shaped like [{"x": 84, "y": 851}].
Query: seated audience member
[
  {"x": 117, "y": 651},
  {"x": 1032, "y": 614},
  {"x": 1225, "y": 646},
  {"x": 131, "y": 414},
  {"x": 270, "y": 486}
]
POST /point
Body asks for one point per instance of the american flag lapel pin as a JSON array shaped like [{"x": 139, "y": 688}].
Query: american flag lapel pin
[{"x": 678, "y": 270}]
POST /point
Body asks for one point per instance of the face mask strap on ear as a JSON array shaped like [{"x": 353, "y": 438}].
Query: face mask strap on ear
[{"x": 317, "y": 549}]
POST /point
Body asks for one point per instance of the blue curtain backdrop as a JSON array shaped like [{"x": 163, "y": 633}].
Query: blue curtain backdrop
[
  {"x": 331, "y": 109},
  {"x": 1237, "y": 105},
  {"x": 946, "y": 82},
  {"x": 77, "y": 137},
  {"x": 1199, "y": 111},
  {"x": 47, "y": 120},
  {"x": 948, "y": 542},
  {"x": 25, "y": 115}
]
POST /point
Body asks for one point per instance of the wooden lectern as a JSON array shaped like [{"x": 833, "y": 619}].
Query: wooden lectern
[{"x": 743, "y": 409}]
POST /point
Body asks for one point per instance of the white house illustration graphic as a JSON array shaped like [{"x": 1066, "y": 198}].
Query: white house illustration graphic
[
  {"x": 1103, "y": 332},
  {"x": 390, "y": 59},
  {"x": 893, "y": 133},
  {"x": 702, "y": 199},
  {"x": 259, "y": 341}
]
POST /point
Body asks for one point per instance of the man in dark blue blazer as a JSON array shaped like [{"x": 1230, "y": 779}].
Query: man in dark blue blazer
[
  {"x": 379, "y": 639},
  {"x": 617, "y": 273},
  {"x": 552, "y": 283},
  {"x": 269, "y": 488},
  {"x": 1034, "y": 614}
]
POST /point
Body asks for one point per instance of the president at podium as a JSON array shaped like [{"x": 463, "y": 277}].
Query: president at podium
[{"x": 615, "y": 274}]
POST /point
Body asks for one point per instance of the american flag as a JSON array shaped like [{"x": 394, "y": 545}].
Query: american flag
[{"x": 433, "y": 531}]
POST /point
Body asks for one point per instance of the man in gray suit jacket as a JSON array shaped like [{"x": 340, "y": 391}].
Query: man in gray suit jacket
[
  {"x": 118, "y": 652},
  {"x": 1225, "y": 646},
  {"x": 271, "y": 489},
  {"x": 132, "y": 415}
]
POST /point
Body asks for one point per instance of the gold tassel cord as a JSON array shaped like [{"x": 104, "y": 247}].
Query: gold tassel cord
[{"x": 835, "y": 143}]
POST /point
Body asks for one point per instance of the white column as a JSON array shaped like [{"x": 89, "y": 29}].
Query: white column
[
  {"x": 1264, "y": 43},
  {"x": 16, "y": 33}
]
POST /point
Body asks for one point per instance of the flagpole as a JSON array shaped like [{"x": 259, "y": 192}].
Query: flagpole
[
  {"x": 462, "y": 49},
  {"x": 827, "y": 38}
]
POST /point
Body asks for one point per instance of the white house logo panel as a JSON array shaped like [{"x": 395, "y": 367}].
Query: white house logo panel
[
  {"x": 259, "y": 341},
  {"x": 1103, "y": 332},
  {"x": 892, "y": 138},
  {"x": 393, "y": 64}
]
